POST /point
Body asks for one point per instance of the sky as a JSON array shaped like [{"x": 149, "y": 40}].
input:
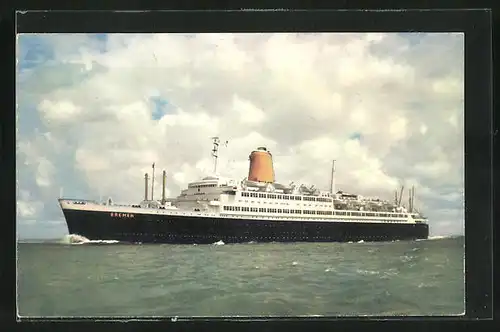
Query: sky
[{"x": 94, "y": 111}]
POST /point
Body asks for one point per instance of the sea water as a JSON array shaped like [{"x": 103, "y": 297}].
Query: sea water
[{"x": 76, "y": 277}]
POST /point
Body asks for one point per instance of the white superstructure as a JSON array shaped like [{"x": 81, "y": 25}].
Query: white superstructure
[{"x": 220, "y": 197}]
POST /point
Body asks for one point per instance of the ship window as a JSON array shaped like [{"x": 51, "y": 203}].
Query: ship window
[{"x": 280, "y": 211}]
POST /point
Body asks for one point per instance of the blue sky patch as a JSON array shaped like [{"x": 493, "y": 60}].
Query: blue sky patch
[
  {"x": 33, "y": 50},
  {"x": 160, "y": 107},
  {"x": 356, "y": 136}
]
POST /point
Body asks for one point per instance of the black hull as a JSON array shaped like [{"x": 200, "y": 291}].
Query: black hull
[{"x": 148, "y": 228}]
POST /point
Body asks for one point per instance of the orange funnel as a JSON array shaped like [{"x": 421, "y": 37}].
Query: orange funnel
[{"x": 261, "y": 166}]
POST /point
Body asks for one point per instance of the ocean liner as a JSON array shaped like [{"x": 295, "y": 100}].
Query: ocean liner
[{"x": 256, "y": 209}]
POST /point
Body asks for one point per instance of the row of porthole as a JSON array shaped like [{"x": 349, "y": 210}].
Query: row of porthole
[
  {"x": 272, "y": 238},
  {"x": 210, "y": 236}
]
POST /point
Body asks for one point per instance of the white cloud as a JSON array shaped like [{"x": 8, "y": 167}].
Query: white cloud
[
  {"x": 301, "y": 95},
  {"x": 61, "y": 111},
  {"x": 45, "y": 171},
  {"x": 25, "y": 209},
  {"x": 28, "y": 209},
  {"x": 249, "y": 113}
]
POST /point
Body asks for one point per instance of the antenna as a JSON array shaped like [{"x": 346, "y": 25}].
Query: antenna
[
  {"x": 215, "y": 151},
  {"x": 163, "y": 198},
  {"x": 401, "y": 195},
  {"x": 409, "y": 200},
  {"x": 332, "y": 182},
  {"x": 413, "y": 199},
  {"x": 153, "y": 182}
]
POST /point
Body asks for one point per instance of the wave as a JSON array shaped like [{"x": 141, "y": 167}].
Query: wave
[
  {"x": 75, "y": 239},
  {"x": 366, "y": 272},
  {"x": 440, "y": 237},
  {"x": 218, "y": 243}
]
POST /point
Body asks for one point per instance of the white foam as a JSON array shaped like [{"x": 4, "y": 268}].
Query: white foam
[
  {"x": 294, "y": 263},
  {"x": 76, "y": 239},
  {"x": 361, "y": 241},
  {"x": 438, "y": 237},
  {"x": 367, "y": 272},
  {"x": 218, "y": 243},
  {"x": 103, "y": 241}
]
